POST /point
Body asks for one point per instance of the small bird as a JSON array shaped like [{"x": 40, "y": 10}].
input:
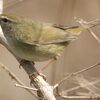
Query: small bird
[{"x": 37, "y": 41}]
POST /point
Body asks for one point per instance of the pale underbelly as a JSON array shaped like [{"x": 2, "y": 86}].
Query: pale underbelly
[{"x": 36, "y": 53}]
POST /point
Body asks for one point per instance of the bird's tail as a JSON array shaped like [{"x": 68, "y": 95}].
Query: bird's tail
[{"x": 76, "y": 30}]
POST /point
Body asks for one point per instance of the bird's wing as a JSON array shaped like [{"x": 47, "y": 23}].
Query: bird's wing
[
  {"x": 43, "y": 34},
  {"x": 53, "y": 34}
]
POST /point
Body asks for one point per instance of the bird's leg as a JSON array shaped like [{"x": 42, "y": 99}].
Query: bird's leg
[
  {"x": 50, "y": 62},
  {"x": 46, "y": 65}
]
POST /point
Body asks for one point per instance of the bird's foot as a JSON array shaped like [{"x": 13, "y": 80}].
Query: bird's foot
[{"x": 32, "y": 78}]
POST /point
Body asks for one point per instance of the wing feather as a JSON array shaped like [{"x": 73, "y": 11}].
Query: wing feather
[{"x": 36, "y": 33}]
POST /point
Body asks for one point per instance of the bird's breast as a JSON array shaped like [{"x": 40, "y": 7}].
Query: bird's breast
[{"x": 35, "y": 52}]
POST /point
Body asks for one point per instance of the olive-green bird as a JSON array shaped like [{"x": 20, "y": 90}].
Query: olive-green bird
[{"x": 35, "y": 41}]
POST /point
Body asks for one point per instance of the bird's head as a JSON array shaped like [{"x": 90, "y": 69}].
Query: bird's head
[{"x": 9, "y": 22}]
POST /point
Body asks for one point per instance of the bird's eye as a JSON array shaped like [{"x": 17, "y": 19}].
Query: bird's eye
[{"x": 5, "y": 20}]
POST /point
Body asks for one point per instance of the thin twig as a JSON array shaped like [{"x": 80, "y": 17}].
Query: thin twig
[
  {"x": 12, "y": 75},
  {"x": 25, "y": 87},
  {"x": 93, "y": 34},
  {"x": 82, "y": 22},
  {"x": 91, "y": 87},
  {"x": 77, "y": 87},
  {"x": 76, "y": 73},
  {"x": 78, "y": 97}
]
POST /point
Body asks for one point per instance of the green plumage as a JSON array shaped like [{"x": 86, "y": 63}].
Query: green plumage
[{"x": 36, "y": 41}]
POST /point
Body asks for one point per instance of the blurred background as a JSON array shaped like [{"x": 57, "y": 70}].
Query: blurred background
[{"x": 79, "y": 54}]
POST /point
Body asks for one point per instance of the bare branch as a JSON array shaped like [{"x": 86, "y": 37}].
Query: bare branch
[
  {"x": 77, "y": 87},
  {"x": 82, "y": 22},
  {"x": 83, "y": 83},
  {"x": 78, "y": 97},
  {"x": 14, "y": 77},
  {"x": 44, "y": 90},
  {"x": 76, "y": 73},
  {"x": 25, "y": 87},
  {"x": 93, "y": 90}
]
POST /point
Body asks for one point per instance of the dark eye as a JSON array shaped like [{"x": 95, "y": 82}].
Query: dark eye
[{"x": 5, "y": 20}]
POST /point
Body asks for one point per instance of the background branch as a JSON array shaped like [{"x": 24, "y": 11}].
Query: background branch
[
  {"x": 76, "y": 73},
  {"x": 14, "y": 77}
]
